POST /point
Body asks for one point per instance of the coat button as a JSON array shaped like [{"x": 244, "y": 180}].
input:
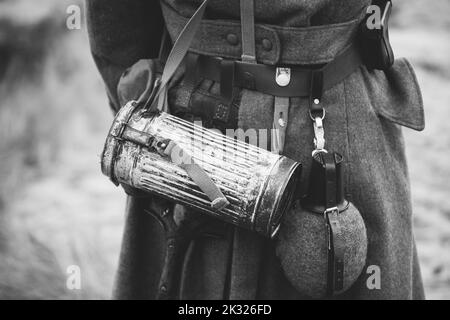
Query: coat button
[
  {"x": 232, "y": 39},
  {"x": 267, "y": 44}
]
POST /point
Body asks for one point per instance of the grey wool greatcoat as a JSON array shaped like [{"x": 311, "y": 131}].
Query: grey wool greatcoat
[{"x": 365, "y": 116}]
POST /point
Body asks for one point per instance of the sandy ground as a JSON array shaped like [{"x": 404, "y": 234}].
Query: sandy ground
[
  {"x": 428, "y": 155},
  {"x": 69, "y": 214}
]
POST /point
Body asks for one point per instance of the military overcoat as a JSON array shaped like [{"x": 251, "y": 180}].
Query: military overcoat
[{"x": 366, "y": 113}]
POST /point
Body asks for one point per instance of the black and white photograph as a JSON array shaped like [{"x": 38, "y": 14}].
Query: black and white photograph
[{"x": 240, "y": 151}]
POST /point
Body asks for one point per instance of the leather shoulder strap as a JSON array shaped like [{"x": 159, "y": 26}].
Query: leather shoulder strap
[
  {"x": 248, "y": 31},
  {"x": 178, "y": 52}
]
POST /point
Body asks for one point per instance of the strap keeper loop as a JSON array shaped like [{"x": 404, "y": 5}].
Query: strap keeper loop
[
  {"x": 316, "y": 90},
  {"x": 227, "y": 79},
  {"x": 191, "y": 75}
]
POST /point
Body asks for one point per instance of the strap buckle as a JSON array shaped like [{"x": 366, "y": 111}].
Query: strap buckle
[{"x": 333, "y": 210}]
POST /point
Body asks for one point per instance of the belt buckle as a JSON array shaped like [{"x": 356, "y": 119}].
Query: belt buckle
[{"x": 283, "y": 76}]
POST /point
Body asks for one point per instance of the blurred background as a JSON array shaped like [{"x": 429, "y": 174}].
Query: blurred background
[{"x": 56, "y": 208}]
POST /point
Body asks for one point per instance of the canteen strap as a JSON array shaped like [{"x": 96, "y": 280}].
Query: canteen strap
[{"x": 335, "y": 277}]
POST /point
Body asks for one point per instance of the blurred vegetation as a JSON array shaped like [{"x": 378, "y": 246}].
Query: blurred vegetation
[
  {"x": 25, "y": 43},
  {"x": 52, "y": 109},
  {"x": 55, "y": 207},
  {"x": 27, "y": 140},
  {"x": 413, "y": 14}
]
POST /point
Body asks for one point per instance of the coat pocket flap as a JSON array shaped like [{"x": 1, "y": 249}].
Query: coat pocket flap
[
  {"x": 396, "y": 95},
  {"x": 136, "y": 83}
]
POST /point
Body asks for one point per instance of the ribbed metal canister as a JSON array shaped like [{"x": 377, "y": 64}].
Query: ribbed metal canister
[{"x": 259, "y": 185}]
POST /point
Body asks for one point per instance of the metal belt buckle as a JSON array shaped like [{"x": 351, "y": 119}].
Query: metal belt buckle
[{"x": 283, "y": 76}]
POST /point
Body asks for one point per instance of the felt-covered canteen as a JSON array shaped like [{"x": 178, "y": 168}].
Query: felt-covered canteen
[{"x": 323, "y": 252}]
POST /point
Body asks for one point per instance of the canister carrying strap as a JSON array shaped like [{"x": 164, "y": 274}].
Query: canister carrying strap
[{"x": 176, "y": 56}]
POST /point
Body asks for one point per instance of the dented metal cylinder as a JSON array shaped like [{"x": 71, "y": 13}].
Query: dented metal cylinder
[{"x": 259, "y": 185}]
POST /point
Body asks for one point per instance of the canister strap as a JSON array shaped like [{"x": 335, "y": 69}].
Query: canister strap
[
  {"x": 184, "y": 160},
  {"x": 158, "y": 102},
  {"x": 198, "y": 175},
  {"x": 176, "y": 56}
]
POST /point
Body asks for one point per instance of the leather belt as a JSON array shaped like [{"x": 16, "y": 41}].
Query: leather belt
[
  {"x": 274, "y": 44},
  {"x": 262, "y": 78}
]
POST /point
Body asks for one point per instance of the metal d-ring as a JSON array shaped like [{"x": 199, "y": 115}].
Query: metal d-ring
[
  {"x": 317, "y": 151},
  {"x": 321, "y": 117}
]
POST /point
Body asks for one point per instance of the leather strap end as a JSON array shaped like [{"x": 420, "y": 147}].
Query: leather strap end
[
  {"x": 316, "y": 89},
  {"x": 220, "y": 203},
  {"x": 227, "y": 79},
  {"x": 280, "y": 121}
]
